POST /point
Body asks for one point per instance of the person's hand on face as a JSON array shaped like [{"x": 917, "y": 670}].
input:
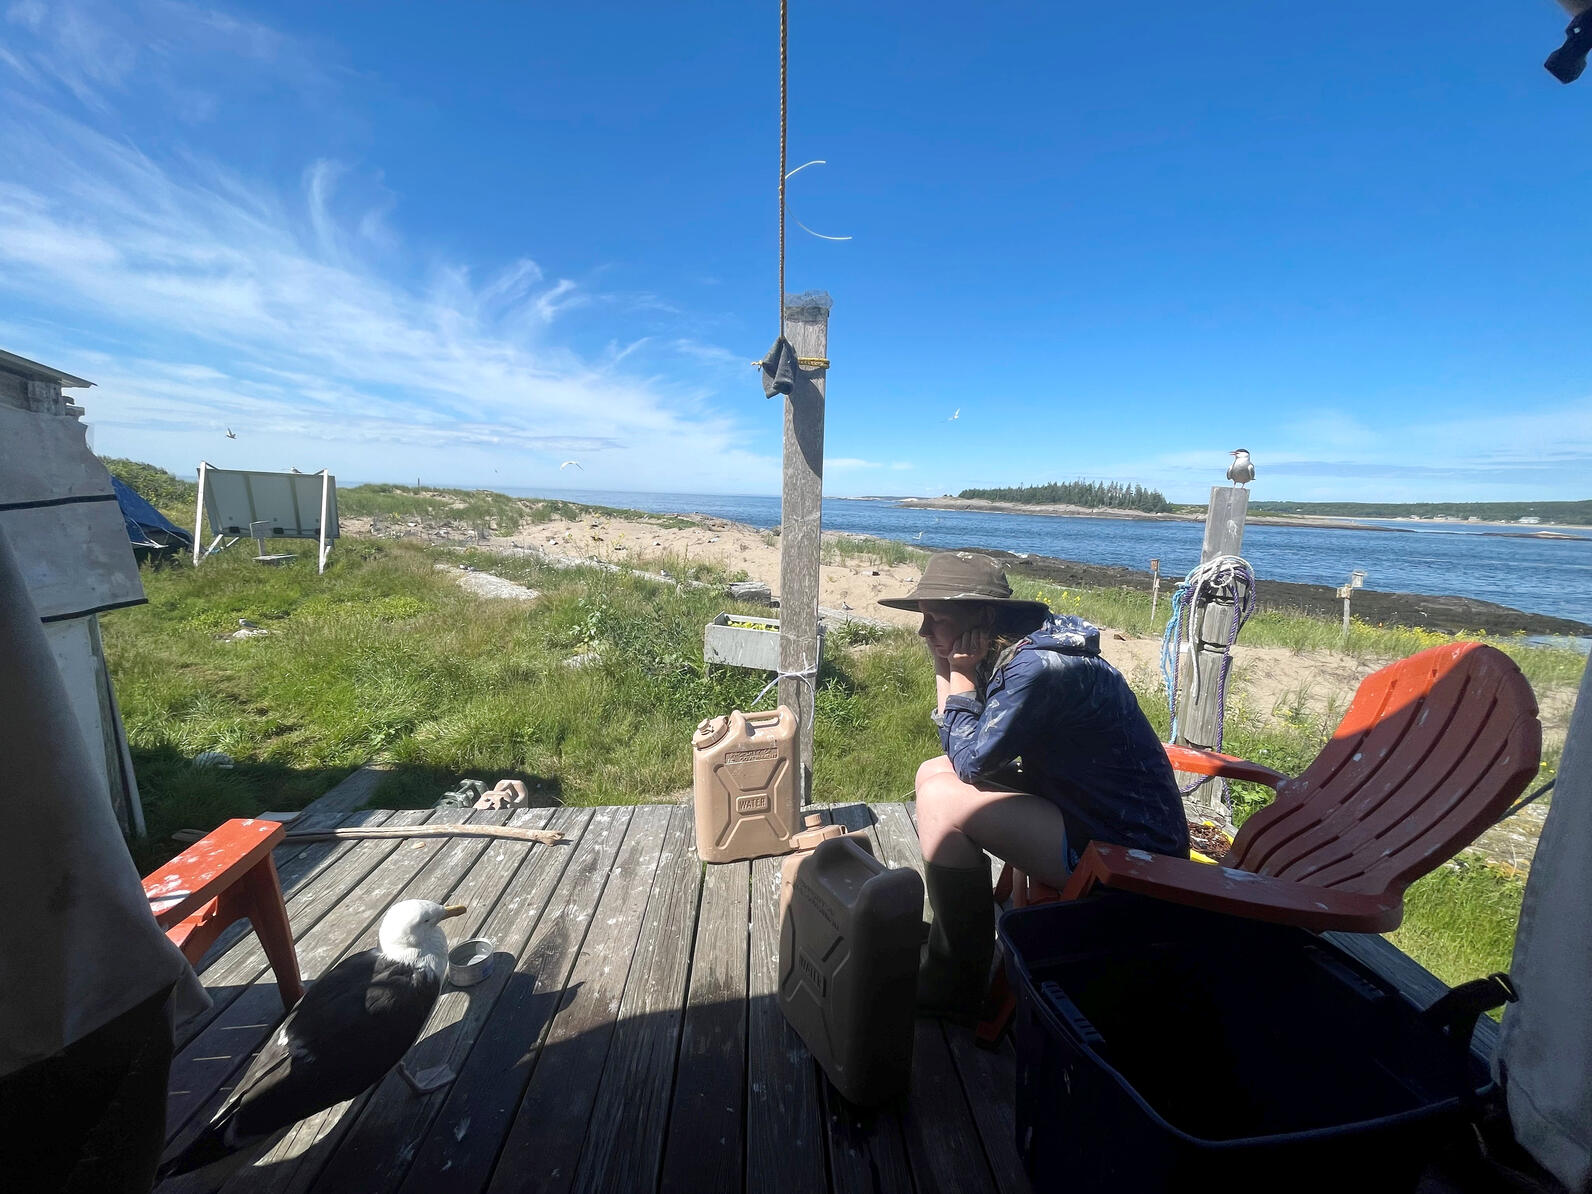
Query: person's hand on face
[{"x": 968, "y": 651}]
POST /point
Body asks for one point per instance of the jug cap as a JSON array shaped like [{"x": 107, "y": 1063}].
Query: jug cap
[{"x": 709, "y": 731}]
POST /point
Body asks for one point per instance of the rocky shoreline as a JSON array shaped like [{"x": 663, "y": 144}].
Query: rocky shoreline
[{"x": 1450, "y": 615}]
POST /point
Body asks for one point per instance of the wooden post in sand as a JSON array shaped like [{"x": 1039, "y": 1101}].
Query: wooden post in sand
[
  {"x": 1200, "y": 720},
  {"x": 801, "y": 517}
]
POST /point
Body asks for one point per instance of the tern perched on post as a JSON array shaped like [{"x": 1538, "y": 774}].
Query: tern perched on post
[
  {"x": 353, "y": 1025},
  {"x": 1242, "y": 470}
]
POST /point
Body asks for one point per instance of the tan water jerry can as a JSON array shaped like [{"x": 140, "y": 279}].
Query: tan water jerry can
[
  {"x": 747, "y": 804},
  {"x": 848, "y": 964}
]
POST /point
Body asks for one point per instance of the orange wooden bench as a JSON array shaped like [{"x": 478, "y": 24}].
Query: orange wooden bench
[
  {"x": 1431, "y": 752},
  {"x": 226, "y": 876}
]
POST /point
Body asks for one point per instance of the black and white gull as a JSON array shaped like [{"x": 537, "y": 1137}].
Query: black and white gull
[{"x": 353, "y": 1025}]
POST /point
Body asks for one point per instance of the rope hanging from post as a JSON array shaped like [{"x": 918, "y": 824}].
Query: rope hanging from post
[{"x": 1222, "y": 577}]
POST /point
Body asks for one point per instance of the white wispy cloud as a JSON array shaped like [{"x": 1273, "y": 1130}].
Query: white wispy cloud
[
  {"x": 196, "y": 295},
  {"x": 850, "y": 462}
]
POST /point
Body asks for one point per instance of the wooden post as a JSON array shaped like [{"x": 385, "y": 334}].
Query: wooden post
[
  {"x": 1356, "y": 581},
  {"x": 1155, "y": 587},
  {"x": 326, "y": 488},
  {"x": 199, "y": 514},
  {"x": 1199, "y": 720},
  {"x": 801, "y": 517}
]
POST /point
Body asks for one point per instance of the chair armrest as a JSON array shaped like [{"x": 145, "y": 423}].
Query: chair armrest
[
  {"x": 208, "y": 867},
  {"x": 1237, "y": 893},
  {"x": 1209, "y": 762}
]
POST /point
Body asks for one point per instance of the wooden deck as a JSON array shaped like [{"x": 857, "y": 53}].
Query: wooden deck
[{"x": 628, "y": 1038}]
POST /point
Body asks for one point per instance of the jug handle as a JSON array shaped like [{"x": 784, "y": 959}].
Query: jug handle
[{"x": 763, "y": 717}]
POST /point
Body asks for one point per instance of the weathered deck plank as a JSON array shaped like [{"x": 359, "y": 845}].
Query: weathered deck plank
[
  {"x": 784, "y": 1121},
  {"x": 543, "y": 1147},
  {"x": 459, "y": 1151},
  {"x": 297, "y": 863},
  {"x": 624, "y": 1144},
  {"x": 705, "y": 1145},
  {"x": 867, "y": 1146},
  {"x": 507, "y": 895},
  {"x": 941, "y": 1128}
]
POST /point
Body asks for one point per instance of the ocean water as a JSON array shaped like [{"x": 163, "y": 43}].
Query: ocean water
[{"x": 1541, "y": 576}]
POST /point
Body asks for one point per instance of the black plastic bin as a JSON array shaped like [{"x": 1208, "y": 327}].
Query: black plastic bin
[{"x": 1165, "y": 1048}]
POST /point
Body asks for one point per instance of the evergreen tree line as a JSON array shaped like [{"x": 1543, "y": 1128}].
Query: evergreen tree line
[{"x": 1092, "y": 494}]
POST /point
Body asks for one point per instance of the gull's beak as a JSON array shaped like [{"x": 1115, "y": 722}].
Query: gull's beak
[{"x": 453, "y": 910}]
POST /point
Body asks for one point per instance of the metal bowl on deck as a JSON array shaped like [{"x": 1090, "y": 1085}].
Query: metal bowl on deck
[{"x": 469, "y": 962}]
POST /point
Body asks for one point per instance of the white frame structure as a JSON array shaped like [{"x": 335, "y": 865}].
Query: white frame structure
[{"x": 323, "y": 533}]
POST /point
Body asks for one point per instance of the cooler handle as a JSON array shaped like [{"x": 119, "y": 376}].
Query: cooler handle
[{"x": 1069, "y": 1011}]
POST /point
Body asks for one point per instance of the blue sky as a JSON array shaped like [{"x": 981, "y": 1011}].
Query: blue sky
[{"x": 467, "y": 242}]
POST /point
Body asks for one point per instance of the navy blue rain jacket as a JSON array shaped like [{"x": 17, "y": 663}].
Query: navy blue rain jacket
[{"x": 1083, "y": 741}]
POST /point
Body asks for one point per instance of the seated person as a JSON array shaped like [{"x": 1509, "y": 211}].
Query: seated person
[{"x": 1046, "y": 750}]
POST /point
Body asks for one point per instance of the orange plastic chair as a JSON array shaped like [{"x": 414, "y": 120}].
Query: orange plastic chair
[
  {"x": 1431, "y": 752},
  {"x": 226, "y": 876}
]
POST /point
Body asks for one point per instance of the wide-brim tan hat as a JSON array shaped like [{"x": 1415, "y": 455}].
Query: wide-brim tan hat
[{"x": 963, "y": 576}]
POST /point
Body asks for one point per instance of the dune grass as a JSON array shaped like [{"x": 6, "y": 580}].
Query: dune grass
[{"x": 881, "y": 553}]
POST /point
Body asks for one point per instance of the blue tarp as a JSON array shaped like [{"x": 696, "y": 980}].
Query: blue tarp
[{"x": 147, "y": 526}]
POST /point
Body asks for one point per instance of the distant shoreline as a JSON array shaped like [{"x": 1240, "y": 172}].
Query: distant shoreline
[
  {"x": 1318, "y": 521},
  {"x": 1061, "y": 511}
]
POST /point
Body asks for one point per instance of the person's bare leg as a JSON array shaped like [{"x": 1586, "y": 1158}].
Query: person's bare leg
[{"x": 958, "y": 821}]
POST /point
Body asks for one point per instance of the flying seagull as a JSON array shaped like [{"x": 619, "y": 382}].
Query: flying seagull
[
  {"x": 1242, "y": 470},
  {"x": 955, "y": 416},
  {"x": 353, "y": 1025},
  {"x": 231, "y": 434},
  {"x": 576, "y": 463}
]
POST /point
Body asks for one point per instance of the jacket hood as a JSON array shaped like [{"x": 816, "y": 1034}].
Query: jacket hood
[{"x": 1067, "y": 635}]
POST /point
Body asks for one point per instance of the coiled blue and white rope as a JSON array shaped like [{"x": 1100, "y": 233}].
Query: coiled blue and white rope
[{"x": 1225, "y": 577}]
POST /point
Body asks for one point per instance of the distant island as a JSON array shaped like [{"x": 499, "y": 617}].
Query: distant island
[
  {"x": 1087, "y": 495},
  {"x": 1561, "y": 513},
  {"x": 1113, "y": 499}
]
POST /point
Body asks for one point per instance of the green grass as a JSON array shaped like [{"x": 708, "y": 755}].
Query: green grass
[
  {"x": 1459, "y": 921},
  {"x": 155, "y": 485}
]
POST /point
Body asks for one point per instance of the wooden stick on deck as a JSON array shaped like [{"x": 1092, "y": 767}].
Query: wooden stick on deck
[{"x": 513, "y": 833}]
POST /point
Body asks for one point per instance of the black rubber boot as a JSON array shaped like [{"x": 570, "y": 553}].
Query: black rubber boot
[{"x": 953, "y": 977}]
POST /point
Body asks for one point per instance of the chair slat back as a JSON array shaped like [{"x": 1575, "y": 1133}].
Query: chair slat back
[{"x": 1431, "y": 751}]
